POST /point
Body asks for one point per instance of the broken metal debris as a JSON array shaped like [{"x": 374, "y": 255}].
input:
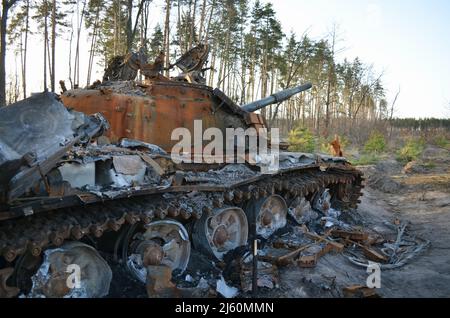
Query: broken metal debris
[
  {"x": 124, "y": 67},
  {"x": 373, "y": 255},
  {"x": 283, "y": 257},
  {"x": 152, "y": 71},
  {"x": 159, "y": 282},
  {"x": 311, "y": 255},
  {"x": 226, "y": 291},
  {"x": 78, "y": 175},
  {"x": 32, "y": 141},
  {"x": 358, "y": 291},
  {"x": 350, "y": 235},
  {"x": 300, "y": 247},
  {"x": 267, "y": 274},
  {"x": 130, "y": 143},
  {"x": 392, "y": 255},
  {"x": 192, "y": 65}
]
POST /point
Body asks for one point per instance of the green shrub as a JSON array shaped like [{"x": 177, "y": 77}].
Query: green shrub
[
  {"x": 429, "y": 165},
  {"x": 344, "y": 141},
  {"x": 324, "y": 146},
  {"x": 366, "y": 159},
  {"x": 301, "y": 140},
  {"x": 411, "y": 151},
  {"x": 375, "y": 144},
  {"x": 442, "y": 142}
]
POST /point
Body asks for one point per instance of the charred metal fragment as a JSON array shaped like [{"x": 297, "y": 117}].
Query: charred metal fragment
[{"x": 34, "y": 134}]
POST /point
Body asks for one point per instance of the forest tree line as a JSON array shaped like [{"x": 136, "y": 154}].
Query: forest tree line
[{"x": 250, "y": 56}]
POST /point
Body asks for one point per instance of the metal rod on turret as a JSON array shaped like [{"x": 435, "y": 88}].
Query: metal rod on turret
[{"x": 276, "y": 98}]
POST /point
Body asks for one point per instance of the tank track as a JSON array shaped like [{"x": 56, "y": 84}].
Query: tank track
[{"x": 50, "y": 229}]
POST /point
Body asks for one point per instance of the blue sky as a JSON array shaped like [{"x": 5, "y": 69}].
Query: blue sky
[{"x": 407, "y": 40}]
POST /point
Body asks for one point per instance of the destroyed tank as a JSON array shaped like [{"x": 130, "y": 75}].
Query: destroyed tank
[{"x": 90, "y": 173}]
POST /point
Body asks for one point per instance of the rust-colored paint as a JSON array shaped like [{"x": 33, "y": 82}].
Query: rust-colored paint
[{"x": 150, "y": 118}]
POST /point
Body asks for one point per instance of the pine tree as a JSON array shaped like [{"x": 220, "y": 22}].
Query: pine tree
[
  {"x": 6, "y": 6},
  {"x": 156, "y": 42},
  {"x": 18, "y": 34}
]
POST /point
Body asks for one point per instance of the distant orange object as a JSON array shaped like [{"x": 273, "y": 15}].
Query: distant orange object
[{"x": 336, "y": 147}]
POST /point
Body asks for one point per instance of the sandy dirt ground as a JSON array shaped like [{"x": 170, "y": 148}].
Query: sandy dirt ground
[{"x": 420, "y": 197}]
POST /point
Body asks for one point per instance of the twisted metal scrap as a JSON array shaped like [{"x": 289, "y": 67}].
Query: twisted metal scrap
[{"x": 403, "y": 250}]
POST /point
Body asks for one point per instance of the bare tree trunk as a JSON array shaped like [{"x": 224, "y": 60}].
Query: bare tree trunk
[
  {"x": 264, "y": 71},
  {"x": 25, "y": 48},
  {"x": 227, "y": 58},
  {"x": 213, "y": 67},
  {"x": 251, "y": 91},
  {"x": 146, "y": 16},
  {"x": 76, "y": 76},
  {"x": 392, "y": 111},
  {"x": 213, "y": 5},
  {"x": 202, "y": 21},
  {"x": 52, "y": 79},
  {"x": 180, "y": 31},
  {"x": 129, "y": 24},
  {"x": 16, "y": 84},
  {"x": 49, "y": 59},
  {"x": 330, "y": 74},
  {"x": 131, "y": 31},
  {"x": 191, "y": 33},
  {"x": 144, "y": 25},
  {"x": 303, "y": 113},
  {"x": 6, "y": 5},
  {"x": 45, "y": 51},
  {"x": 115, "y": 45},
  {"x": 70, "y": 56},
  {"x": 187, "y": 25},
  {"x": 219, "y": 76},
  {"x": 167, "y": 38},
  {"x": 93, "y": 45},
  {"x": 243, "y": 68}
]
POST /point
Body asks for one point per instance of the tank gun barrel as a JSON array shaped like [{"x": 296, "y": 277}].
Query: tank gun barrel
[{"x": 276, "y": 98}]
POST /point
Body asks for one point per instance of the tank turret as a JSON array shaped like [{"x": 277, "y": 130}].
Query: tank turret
[{"x": 150, "y": 111}]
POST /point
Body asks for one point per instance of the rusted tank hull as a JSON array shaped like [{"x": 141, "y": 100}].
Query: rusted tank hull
[
  {"x": 153, "y": 114},
  {"x": 134, "y": 202}
]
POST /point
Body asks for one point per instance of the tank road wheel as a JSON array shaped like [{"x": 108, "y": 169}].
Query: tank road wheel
[
  {"x": 25, "y": 267},
  {"x": 222, "y": 231},
  {"x": 342, "y": 196},
  {"x": 270, "y": 214},
  {"x": 322, "y": 201},
  {"x": 160, "y": 243},
  {"x": 74, "y": 270},
  {"x": 7, "y": 291},
  {"x": 302, "y": 212}
]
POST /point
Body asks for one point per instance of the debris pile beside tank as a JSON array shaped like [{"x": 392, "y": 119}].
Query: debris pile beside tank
[{"x": 302, "y": 245}]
